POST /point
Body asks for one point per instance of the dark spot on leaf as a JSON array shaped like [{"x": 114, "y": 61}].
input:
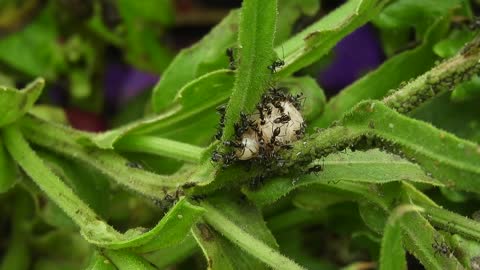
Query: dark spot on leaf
[
  {"x": 311, "y": 35},
  {"x": 234, "y": 27},
  {"x": 133, "y": 165},
  {"x": 205, "y": 232},
  {"x": 189, "y": 185}
]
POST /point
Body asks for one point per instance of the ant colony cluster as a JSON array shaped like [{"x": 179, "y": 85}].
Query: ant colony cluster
[{"x": 275, "y": 124}]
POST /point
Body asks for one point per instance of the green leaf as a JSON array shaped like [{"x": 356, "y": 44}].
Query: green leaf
[
  {"x": 452, "y": 161},
  {"x": 86, "y": 182},
  {"x": 373, "y": 215},
  {"x": 164, "y": 257},
  {"x": 99, "y": 262},
  {"x": 444, "y": 77},
  {"x": 195, "y": 105},
  {"x": 406, "y": 13},
  {"x": 444, "y": 114},
  {"x": 49, "y": 113},
  {"x": 248, "y": 231},
  {"x": 125, "y": 260},
  {"x": 55, "y": 189},
  {"x": 34, "y": 50},
  {"x": 453, "y": 43},
  {"x": 389, "y": 75},
  {"x": 290, "y": 11},
  {"x": 392, "y": 254},
  {"x": 419, "y": 237},
  {"x": 205, "y": 56},
  {"x": 8, "y": 170},
  {"x": 14, "y": 103},
  {"x": 257, "y": 29},
  {"x": 315, "y": 41},
  {"x": 459, "y": 223},
  {"x": 142, "y": 46},
  {"x": 220, "y": 253},
  {"x": 369, "y": 167},
  {"x": 170, "y": 230},
  {"x": 469, "y": 250},
  {"x": 315, "y": 197},
  {"x": 161, "y": 147},
  {"x": 161, "y": 11},
  {"x": 449, "y": 159},
  {"x": 108, "y": 162},
  {"x": 467, "y": 91}
]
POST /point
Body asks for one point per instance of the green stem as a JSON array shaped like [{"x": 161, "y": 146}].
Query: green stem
[
  {"x": 256, "y": 33},
  {"x": 125, "y": 260},
  {"x": 371, "y": 124},
  {"x": 453, "y": 222},
  {"x": 55, "y": 188},
  {"x": 68, "y": 142},
  {"x": 245, "y": 241},
  {"x": 443, "y": 77},
  {"x": 160, "y": 146}
]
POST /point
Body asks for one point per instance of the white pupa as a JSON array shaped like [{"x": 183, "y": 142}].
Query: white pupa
[{"x": 287, "y": 130}]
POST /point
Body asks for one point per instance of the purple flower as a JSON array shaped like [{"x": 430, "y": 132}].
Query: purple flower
[
  {"x": 123, "y": 82},
  {"x": 355, "y": 55}
]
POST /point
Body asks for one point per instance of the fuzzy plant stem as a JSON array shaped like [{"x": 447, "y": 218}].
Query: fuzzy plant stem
[
  {"x": 56, "y": 189},
  {"x": 441, "y": 78}
]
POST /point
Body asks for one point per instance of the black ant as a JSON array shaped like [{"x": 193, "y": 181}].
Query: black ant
[
  {"x": 260, "y": 108},
  {"x": 474, "y": 24},
  {"x": 169, "y": 200},
  {"x": 134, "y": 165},
  {"x": 297, "y": 101},
  {"x": 188, "y": 185},
  {"x": 278, "y": 105},
  {"x": 233, "y": 144},
  {"x": 228, "y": 159},
  {"x": 216, "y": 156},
  {"x": 243, "y": 126},
  {"x": 315, "y": 169},
  {"x": 441, "y": 247},
  {"x": 285, "y": 118},
  {"x": 301, "y": 131},
  {"x": 268, "y": 109},
  {"x": 286, "y": 146},
  {"x": 219, "y": 134},
  {"x": 275, "y": 133},
  {"x": 278, "y": 63},
  {"x": 256, "y": 182},
  {"x": 230, "y": 54},
  {"x": 221, "y": 110}
]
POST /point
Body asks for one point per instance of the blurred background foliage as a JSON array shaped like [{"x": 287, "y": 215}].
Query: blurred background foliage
[{"x": 101, "y": 59}]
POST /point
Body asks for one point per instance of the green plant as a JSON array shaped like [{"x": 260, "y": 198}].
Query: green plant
[{"x": 412, "y": 181}]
